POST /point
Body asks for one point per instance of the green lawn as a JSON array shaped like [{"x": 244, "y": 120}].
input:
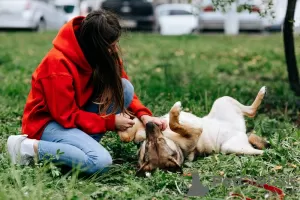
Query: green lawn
[{"x": 193, "y": 69}]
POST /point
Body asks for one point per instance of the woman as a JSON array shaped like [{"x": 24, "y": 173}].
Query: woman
[{"x": 78, "y": 92}]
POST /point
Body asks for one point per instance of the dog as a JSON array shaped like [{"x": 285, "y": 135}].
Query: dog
[
  {"x": 158, "y": 151},
  {"x": 222, "y": 130}
]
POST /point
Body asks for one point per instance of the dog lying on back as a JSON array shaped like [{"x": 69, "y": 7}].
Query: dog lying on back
[{"x": 223, "y": 130}]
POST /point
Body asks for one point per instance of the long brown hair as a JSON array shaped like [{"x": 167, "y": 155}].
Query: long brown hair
[{"x": 97, "y": 34}]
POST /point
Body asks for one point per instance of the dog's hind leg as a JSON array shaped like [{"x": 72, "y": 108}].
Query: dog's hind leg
[
  {"x": 185, "y": 130},
  {"x": 249, "y": 150},
  {"x": 233, "y": 107},
  {"x": 250, "y": 111},
  {"x": 239, "y": 146},
  {"x": 258, "y": 141}
]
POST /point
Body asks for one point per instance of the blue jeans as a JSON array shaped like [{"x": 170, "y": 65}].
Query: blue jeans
[{"x": 79, "y": 148}]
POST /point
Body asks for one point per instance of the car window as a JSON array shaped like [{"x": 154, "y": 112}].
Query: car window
[
  {"x": 163, "y": 12},
  {"x": 179, "y": 12},
  {"x": 66, "y": 8},
  {"x": 46, "y": 1}
]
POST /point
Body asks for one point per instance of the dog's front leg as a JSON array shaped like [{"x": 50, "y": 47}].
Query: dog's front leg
[{"x": 130, "y": 134}]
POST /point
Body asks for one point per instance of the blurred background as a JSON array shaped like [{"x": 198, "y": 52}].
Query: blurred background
[
  {"x": 196, "y": 68},
  {"x": 166, "y": 17}
]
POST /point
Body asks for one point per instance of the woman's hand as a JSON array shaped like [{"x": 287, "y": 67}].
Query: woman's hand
[
  {"x": 162, "y": 124},
  {"x": 123, "y": 122}
]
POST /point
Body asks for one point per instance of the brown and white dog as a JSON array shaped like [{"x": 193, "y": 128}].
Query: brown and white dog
[{"x": 223, "y": 130}]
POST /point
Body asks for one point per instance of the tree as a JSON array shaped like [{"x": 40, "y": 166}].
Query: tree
[
  {"x": 288, "y": 36},
  {"x": 289, "y": 47}
]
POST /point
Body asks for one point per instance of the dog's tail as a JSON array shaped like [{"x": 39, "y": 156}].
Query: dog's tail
[
  {"x": 184, "y": 130},
  {"x": 258, "y": 142}
]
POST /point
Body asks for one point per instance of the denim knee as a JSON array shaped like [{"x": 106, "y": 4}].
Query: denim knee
[
  {"x": 99, "y": 163},
  {"x": 128, "y": 92}
]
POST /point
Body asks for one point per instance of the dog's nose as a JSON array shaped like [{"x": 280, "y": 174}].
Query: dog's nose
[{"x": 150, "y": 125}]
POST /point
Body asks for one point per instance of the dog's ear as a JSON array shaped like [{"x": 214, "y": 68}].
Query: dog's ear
[
  {"x": 177, "y": 168},
  {"x": 141, "y": 171}
]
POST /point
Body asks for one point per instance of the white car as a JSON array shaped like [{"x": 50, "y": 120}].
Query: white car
[
  {"x": 84, "y": 8},
  {"x": 213, "y": 19},
  {"x": 176, "y": 19},
  {"x": 71, "y": 8},
  {"x": 93, "y": 4},
  {"x": 38, "y": 15},
  {"x": 279, "y": 8}
]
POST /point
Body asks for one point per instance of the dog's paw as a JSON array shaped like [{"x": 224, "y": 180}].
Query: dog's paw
[
  {"x": 263, "y": 90},
  {"x": 176, "y": 108},
  {"x": 178, "y": 105}
]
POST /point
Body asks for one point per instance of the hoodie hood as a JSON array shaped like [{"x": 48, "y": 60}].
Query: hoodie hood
[{"x": 66, "y": 42}]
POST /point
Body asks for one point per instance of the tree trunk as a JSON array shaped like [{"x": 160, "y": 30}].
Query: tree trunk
[{"x": 289, "y": 47}]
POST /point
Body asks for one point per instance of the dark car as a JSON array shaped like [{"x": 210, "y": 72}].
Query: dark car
[{"x": 133, "y": 14}]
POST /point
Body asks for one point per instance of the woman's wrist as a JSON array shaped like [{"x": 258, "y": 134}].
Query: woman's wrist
[{"x": 143, "y": 118}]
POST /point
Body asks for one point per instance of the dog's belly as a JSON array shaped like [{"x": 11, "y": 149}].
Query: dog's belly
[{"x": 215, "y": 133}]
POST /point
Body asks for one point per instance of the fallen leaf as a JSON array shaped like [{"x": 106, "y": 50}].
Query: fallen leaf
[
  {"x": 187, "y": 174},
  {"x": 158, "y": 69},
  {"x": 221, "y": 173},
  {"x": 179, "y": 53},
  {"x": 193, "y": 56},
  {"x": 293, "y": 165},
  {"x": 278, "y": 167}
]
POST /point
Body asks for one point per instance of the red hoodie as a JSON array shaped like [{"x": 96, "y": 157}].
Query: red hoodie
[{"x": 61, "y": 87}]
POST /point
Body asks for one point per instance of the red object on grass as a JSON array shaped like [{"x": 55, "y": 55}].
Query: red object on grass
[{"x": 265, "y": 186}]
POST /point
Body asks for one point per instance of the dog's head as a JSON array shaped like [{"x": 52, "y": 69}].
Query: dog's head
[{"x": 158, "y": 152}]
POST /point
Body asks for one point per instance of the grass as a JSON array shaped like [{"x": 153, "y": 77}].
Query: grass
[{"x": 193, "y": 69}]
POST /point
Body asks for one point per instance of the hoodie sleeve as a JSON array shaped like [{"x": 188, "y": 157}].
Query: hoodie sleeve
[
  {"x": 136, "y": 105},
  {"x": 60, "y": 98}
]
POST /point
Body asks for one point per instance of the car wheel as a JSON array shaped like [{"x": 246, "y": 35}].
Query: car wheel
[
  {"x": 194, "y": 31},
  {"x": 159, "y": 30},
  {"x": 41, "y": 26}
]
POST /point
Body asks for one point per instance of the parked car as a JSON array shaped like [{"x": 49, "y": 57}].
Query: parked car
[
  {"x": 275, "y": 23},
  {"x": 176, "y": 19},
  {"x": 279, "y": 8},
  {"x": 91, "y": 5},
  {"x": 71, "y": 8},
  {"x": 213, "y": 19},
  {"x": 35, "y": 15},
  {"x": 133, "y": 14},
  {"x": 84, "y": 8}
]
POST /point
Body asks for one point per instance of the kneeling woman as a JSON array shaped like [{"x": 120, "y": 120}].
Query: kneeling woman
[{"x": 78, "y": 92}]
